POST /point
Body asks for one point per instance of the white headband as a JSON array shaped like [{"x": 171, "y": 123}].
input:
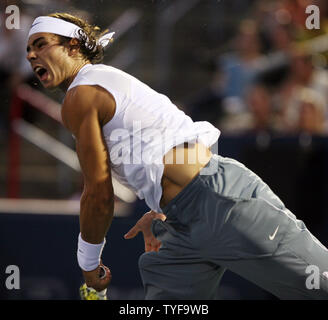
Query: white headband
[{"x": 64, "y": 28}]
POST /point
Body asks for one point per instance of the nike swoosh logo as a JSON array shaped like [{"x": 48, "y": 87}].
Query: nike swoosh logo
[
  {"x": 33, "y": 25},
  {"x": 274, "y": 234}
]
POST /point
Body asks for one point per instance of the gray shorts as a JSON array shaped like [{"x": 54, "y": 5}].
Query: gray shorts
[{"x": 228, "y": 218}]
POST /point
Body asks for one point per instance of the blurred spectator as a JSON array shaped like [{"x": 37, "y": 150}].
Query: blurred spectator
[
  {"x": 239, "y": 68},
  {"x": 233, "y": 73},
  {"x": 277, "y": 33},
  {"x": 296, "y": 8},
  {"x": 281, "y": 37},
  {"x": 260, "y": 108},
  {"x": 275, "y": 25},
  {"x": 311, "y": 112},
  {"x": 302, "y": 75},
  {"x": 258, "y": 117}
]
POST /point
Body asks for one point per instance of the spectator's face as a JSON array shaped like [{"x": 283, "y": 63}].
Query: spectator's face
[
  {"x": 247, "y": 42},
  {"x": 280, "y": 38},
  {"x": 302, "y": 68},
  {"x": 310, "y": 119},
  {"x": 259, "y": 103},
  {"x": 48, "y": 59}
]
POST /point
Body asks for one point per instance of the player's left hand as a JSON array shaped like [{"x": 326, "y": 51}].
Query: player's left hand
[
  {"x": 144, "y": 225},
  {"x": 94, "y": 280}
]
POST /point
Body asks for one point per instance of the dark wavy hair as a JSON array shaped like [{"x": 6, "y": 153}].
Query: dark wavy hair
[{"x": 87, "y": 37}]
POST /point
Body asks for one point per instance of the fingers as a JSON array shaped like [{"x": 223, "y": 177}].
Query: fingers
[
  {"x": 160, "y": 216},
  {"x": 144, "y": 224},
  {"x": 94, "y": 280},
  {"x": 132, "y": 232},
  {"x": 152, "y": 245}
]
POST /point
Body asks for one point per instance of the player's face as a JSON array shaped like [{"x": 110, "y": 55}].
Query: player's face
[{"x": 48, "y": 58}]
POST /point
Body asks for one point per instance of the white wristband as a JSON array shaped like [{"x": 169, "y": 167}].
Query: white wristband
[{"x": 88, "y": 254}]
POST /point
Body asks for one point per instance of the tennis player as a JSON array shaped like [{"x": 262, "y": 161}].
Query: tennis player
[{"x": 208, "y": 213}]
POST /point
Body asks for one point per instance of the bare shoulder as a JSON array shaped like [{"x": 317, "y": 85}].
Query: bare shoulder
[{"x": 82, "y": 101}]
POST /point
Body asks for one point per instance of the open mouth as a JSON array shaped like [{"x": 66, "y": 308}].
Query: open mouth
[{"x": 41, "y": 72}]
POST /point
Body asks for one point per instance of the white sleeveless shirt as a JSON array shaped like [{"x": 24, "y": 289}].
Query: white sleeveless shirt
[{"x": 146, "y": 125}]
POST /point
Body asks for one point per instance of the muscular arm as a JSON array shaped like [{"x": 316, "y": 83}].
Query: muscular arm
[
  {"x": 84, "y": 111},
  {"x": 97, "y": 201}
]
